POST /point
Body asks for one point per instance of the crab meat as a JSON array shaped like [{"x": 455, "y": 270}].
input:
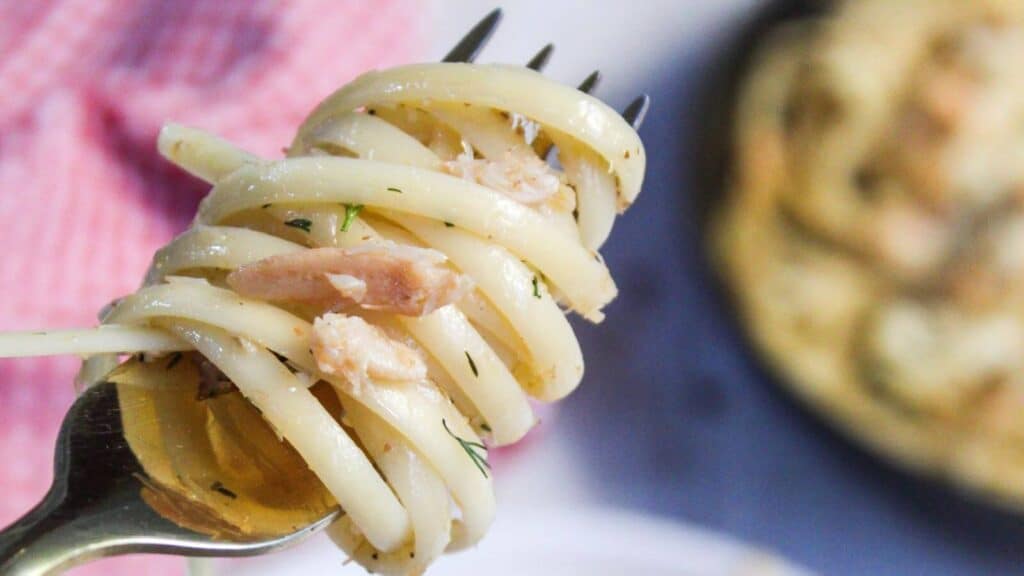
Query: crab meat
[
  {"x": 910, "y": 241},
  {"x": 524, "y": 178},
  {"x": 348, "y": 286},
  {"x": 935, "y": 357},
  {"x": 401, "y": 279},
  {"x": 351, "y": 347}
]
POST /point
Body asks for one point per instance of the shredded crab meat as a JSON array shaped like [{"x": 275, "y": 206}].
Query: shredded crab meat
[
  {"x": 911, "y": 241},
  {"x": 529, "y": 128},
  {"x": 348, "y": 286},
  {"x": 351, "y": 347},
  {"x": 933, "y": 358},
  {"x": 524, "y": 178},
  {"x": 400, "y": 279}
]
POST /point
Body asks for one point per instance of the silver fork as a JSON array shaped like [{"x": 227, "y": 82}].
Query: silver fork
[{"x": 94, "y": 507}]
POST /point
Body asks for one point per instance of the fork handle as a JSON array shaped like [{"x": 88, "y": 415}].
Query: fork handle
[{"x": 47, "y": 540}]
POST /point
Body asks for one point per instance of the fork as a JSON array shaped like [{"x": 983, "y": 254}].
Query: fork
[{"x": 94, "y": 507}]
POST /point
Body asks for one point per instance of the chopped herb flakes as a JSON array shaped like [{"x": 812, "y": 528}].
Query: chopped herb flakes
[
  {"x": 471, "y": 449},
  {"x": 300, "y": 223},
  {"x": 351, "y": 213},
  {"x": 218, "y": 487},
  {"x": 448, "y": 224},
  {"x": 472, "y": 365},
  {"x": 536, "y": 287},
  {"x": 485, "y": 427},
  {"x": 265, "y": 206},
  {"x": 395, "y": 190},
  {"x": 284, "y": 360},
  {"x": 175, "y": 358},
  {"x": 212, "y": 382}
]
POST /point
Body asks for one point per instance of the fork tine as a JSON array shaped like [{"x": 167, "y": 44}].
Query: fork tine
[
  {"x": 637, "y": 109},
  {"x": 540, "y": 60},
  {"x": 590, "y": 82},
  {"x": 474, "y": 40}
]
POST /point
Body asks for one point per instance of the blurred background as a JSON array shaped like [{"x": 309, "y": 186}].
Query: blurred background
[{"x": 675, "y": 421}]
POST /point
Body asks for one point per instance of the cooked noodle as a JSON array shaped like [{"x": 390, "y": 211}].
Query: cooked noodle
[{"x": 438, "y": 157}]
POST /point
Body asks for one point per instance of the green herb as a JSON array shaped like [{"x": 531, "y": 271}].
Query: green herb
[
  {"x": 448, "y": 224},
  {"x": 284, "y": 360},
  {"x": 485, "y": 427},
  {"x": 301, "y": 223},
  {"x": 175, "y": 358},
  {"x": 393, "y": 189},
  {"x": 213, "y": 385},
  {"x": 536, "y": 287},
  {"x": 218, "y": 487},
  {"x": 351, "y": 212},
  {"x": 472, "y": 365},
  {"x": 471, "y": 449}
]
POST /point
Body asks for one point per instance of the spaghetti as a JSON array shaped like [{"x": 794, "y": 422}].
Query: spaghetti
[{"x": 385, "y": 297}]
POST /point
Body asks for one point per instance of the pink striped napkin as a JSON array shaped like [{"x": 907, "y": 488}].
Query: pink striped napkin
[{"x": 84, "y": 198}]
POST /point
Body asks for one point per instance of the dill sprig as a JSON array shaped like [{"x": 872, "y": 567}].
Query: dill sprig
[
  {"x": 351, "y": 213},
  {"x": 300, "y": 223},
  {"x": 175, "y": 358},
  {"x": 218, "y": 487},
  {"x": 471, "y": 449}
]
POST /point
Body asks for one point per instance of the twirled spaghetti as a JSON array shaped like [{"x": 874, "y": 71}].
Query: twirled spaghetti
[{"x": 411, "y": 252}]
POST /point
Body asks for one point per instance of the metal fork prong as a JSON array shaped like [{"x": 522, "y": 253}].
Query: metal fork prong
[
  {"x": 637, "y": 109},
  {"x": 474, "y": 40},
  {"x": 590, "y": 82},
  {"x": 540, "y": 60}
]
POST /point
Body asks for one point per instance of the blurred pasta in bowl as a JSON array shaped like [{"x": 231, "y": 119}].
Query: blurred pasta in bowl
[{"x": 873, "y": 236}]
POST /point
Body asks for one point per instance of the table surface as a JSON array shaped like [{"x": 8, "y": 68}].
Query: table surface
[{"x": 674, "y": 416}]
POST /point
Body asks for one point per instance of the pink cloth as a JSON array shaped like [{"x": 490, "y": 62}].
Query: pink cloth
[{"x": 84, "y": 197}]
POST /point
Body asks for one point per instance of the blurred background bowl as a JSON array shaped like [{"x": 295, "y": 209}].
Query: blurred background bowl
[{"x": 840, "y": 508}]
